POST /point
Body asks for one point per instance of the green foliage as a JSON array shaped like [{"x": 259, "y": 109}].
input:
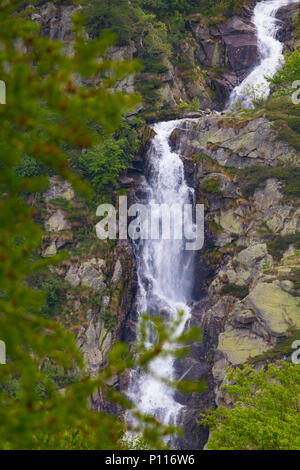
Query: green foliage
[
  {"x": 131, "y": 24},
  {"x": 265, "y": 414},
  {"x": 170, "y": 8},
  {"x": 286, "y": 117},
  {"x": 40, "y": 82},
  {"x": 256, "y": 176},
  {"x": 279, "y": 244},
  {"x": 54, "y": 289},
  {"x": 290, "y": 71},
  {"x": 103, "y": 164},
  {"x": 212, "y": 185},
  {"x": 236, "y": 291},
  {"x": 282, "y": 349},
  {"x": 29, "y": 167}
]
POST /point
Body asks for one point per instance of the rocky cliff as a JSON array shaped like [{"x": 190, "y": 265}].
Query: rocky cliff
[
  {"x": 247, "y": 298},
  {"x": 211, "y": 58},
  {"x": 250, "y": 266}
]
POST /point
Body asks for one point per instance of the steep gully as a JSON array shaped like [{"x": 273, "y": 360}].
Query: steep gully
[{"x": 165, "y": 269}]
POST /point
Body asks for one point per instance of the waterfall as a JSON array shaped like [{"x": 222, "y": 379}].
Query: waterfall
[
  {"x": 165, "y": 268},
  {"x": 255, "y": 86},
  {"x": 165, "y": 272}
]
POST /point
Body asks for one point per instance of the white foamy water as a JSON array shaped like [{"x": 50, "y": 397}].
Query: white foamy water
[
  {"x": 255, "y": 85},
  {"x": 165, "y": 274}
]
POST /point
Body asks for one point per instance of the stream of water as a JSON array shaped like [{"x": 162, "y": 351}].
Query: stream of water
[
  {"x": 256, "y": 86},
  {"x": 165, "y": 271}
]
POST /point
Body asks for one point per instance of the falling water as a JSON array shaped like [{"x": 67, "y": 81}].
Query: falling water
[
  {"x": 256, "y": 86},
  {"x": 165, "y": 272},
  {"x": 165, "y": 268}
]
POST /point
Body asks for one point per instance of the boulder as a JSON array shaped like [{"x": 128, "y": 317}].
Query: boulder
[
  {"x": 57, "y": 222},
  {"x": 89, "y": 274},
  {"x": 58, "y": 189},
  {"x": 253, "y": 258},
  {"x": 238, "y": 345},
  {"x": 231, "y": 222},
  {"x": 278, "y": 309},
  {"x": 240, "y": 146},
  {"x": 267, "y": 197},
  {"x": 50, "y": 250}
]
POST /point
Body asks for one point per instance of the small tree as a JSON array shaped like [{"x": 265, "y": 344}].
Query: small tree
[{"x": 265, "y": 414}]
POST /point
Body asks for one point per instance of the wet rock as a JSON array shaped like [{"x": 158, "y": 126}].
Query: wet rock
[
  {"x": 287, "y": 15},
  {"x": 126, "y": 182},
  {"x": 250, "y": 143}
]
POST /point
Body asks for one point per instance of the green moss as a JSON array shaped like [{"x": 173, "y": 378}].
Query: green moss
[
  {"x": 282, "y": 349},
  {"x": 236, "y": 291},
  {"x": 279, "y": 244},
  {"x": 212, "y": 186},
  {"x": 55, "y": 291},
  {"x": 214, "y": 227},
  {"x": 286, "y": 118},
  {"x": 256, "y": 176}
]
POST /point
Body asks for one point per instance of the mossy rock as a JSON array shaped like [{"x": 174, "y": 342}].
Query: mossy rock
[{"x": 278, "y": 309}]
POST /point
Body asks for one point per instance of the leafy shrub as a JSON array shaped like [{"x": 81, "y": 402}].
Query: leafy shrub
[
  {"x": 265, "y": 411},
  {"x": 103, "y": 164},
  {"x": 54, "y": 290},
  {"x": 290, "y": 71},
  {"x": 29, "y": 167},
  {"x": 282, "y": 349}
]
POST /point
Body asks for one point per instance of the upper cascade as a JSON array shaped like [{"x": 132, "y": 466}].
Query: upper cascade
[{"x": 256, "y": 86}]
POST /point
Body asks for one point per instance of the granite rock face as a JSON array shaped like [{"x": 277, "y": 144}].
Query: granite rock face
[
  {"x": 232, "y": 43},
  {"x": 57, "y": 222},
  {"x": 58, "y": 189},
  {"x": 249, "y": 300},
  {"x": 243, "y": 144},
  {"x": 89, "y": 273}
]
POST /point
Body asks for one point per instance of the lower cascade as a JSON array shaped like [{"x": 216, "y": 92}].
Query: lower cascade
[
  {"x": 270, "y": 50},
  {"x": 165, "y": 271}
]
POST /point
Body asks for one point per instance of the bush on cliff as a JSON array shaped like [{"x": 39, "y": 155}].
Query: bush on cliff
[{"x": 265, "y": 414}]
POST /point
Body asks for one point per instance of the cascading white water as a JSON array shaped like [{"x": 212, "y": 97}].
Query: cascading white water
[
  {"x": 255, "y": 86},
  {"x": 165, "y": 272}
]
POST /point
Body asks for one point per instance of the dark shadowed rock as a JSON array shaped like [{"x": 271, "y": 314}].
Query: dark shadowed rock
[{"x": 286, "y": 16}]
